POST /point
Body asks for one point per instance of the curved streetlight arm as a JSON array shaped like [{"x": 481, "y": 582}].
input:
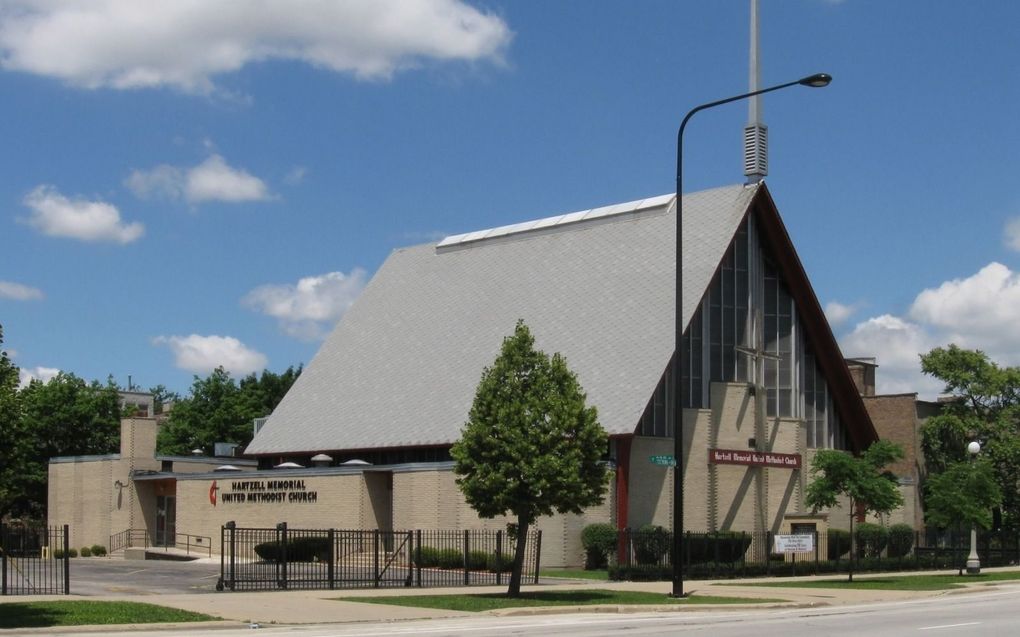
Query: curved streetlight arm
[{"x": 817, "y": 80}]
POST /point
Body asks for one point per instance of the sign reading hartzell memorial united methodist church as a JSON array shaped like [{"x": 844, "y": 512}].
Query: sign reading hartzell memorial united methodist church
[
  {"x": 754, "y": 458},
  {"x": 264, "y": 491}
]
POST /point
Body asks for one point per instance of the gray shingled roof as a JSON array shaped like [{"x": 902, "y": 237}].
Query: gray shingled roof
[{"x": 401, "y": 367}]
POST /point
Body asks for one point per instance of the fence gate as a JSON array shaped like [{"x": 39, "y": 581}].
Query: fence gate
[
  {"x": 282, "y": 557},
  {"x": 34, "y": 560}
]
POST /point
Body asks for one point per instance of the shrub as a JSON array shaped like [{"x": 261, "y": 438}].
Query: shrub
[
  {"x": 300, "y": 549},
  {"x": 599, "y": 542},
  {"x": 723, "y": 547},
  {"x": 901, "y": 539},
  {"x": 506, "y": 564},
  {"x": 72, "y": 553},
  {"x": 478, "y": 561},
  {"x": 86, "y": 551},
  {"x": 426, "y": 557},
  {"x": 58, "y": 554},
  {"x": 871, "y": 539},
  {"x": 98, "y": 550},
  {"x": 440, "y": 558},
  {"x": 650, "y": 544},
  {"x": 839, "y": 543},
  {"x": 450, "y": 558}
]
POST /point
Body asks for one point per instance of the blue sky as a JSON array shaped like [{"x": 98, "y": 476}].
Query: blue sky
[{"x": 190, "y": 184}]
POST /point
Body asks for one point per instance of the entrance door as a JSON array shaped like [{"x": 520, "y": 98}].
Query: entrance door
[{"x": 166, "y": 520}]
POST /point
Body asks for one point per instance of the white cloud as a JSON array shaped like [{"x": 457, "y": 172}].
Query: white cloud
[
  {"x": 163, "y": 181},
  {"x": 977, "y": 312},
  {"x": 203, "y": 354},
  {"x": 57, "y": 216},
  {"x": 896, "y": 345},
  {"x": 212, "y": 180},
  {"x": 837, "y": 313},
  {"x": 1011, "y": 234},
  {"x": 295, "y": 176},
  {"x": 42, "y": 374},
  {"x": 310, "y": 308},
  {"x": 184, "y": 44},
  {"x": 19, "y": 292}
]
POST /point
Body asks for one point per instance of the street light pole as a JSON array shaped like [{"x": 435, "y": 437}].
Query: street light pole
[
  {"x": 817, "y": 80},
  {"x": 973, "y": 561}
]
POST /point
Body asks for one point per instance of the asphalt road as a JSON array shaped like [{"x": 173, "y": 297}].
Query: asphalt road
[{"x": 102, "y": 577}]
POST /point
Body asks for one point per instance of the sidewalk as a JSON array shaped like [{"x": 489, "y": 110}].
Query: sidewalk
[{"x": 322, "y": 607}]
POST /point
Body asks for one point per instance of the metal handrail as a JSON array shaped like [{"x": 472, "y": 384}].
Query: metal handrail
[{"x": 139, "y": 538}]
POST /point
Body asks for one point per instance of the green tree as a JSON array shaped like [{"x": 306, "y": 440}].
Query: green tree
[
  {"x": 14, "y": 448},
  {"x": 985, "y": 406},
  {"x": 963, "y": 494},
  {"x": 530, "y": 446},
  {"x": 162, "y": 397},
  {"x": 837, "y": 474},
  {"x": 65, "y": 416},
  {"x": 221, "y": 410}
]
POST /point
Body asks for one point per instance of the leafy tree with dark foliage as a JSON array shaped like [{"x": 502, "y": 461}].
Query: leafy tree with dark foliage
[
  {"x": 65, "y": 416},
  {"x": 221, "y": 410},
  {"x": 984, "y": 406},
  {"x": 530, "y": 446},
  {"x": 14, "y": 447}
]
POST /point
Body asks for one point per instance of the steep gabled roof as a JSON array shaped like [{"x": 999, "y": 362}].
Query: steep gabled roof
[
  {"x": 401, "y": 367},
  {"x": 846, "y": 398}
]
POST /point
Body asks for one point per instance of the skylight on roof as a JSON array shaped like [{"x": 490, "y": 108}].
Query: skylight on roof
[{"x": 557, "y": 221}]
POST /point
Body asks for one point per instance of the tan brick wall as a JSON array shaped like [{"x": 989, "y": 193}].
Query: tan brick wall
[
  {"x": 650, "y": 493},
  {"x": 718, "y": 496},
  {"x": 339, "y": 504},
  {"x": 83, "y": 495}
]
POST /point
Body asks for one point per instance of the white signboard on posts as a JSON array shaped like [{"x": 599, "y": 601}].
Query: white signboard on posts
[{"x": 800, "y": 543}]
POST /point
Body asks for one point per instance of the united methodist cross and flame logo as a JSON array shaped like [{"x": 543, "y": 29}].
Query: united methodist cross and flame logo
[{"x": 212, "y": 493}]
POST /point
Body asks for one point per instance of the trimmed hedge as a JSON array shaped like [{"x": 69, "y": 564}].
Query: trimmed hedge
[
  {"x": 86, "y": 551},
  {"x": 650, "y": 543},
  {"x": 599, "y": 542},
  {"x": 299, "y": 549},
  {"x": 839, "y": 544},
  {"x": 722, "y": 547},
  {"x": 901, "y": 539},
  {"x": 453, "y": 559},
  {"x": 871, "y": 539}
]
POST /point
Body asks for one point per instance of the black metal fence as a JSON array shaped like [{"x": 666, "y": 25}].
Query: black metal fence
[
  {"x": 35, "y": 560},
  {"x": 281, "y": 557},
  {"x": 648, "y": 553}
]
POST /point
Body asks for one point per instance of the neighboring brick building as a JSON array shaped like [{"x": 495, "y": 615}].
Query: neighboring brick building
[
  {"x": 897, "y": 418},
  {"x": 764, "y": 382}
]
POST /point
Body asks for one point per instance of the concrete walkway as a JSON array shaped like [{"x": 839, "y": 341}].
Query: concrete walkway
[{"x": 323, "y": 607}]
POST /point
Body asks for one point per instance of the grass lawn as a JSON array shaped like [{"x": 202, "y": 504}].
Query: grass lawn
[
  {"x": 493, "y": 601},
  {"x": 574, "y": 573},
  {"x": 901, "y": 583},
  {"x": 83, "y": 613}
]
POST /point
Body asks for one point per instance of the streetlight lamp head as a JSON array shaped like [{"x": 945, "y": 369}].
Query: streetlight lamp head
[
  {"x": 973, "y": 448},
  {"x": 818, "y": 80}
]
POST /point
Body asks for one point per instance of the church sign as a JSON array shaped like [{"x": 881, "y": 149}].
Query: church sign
[
  {"x": 754, "y": 458},
  {"x": 263, "y": 491}
]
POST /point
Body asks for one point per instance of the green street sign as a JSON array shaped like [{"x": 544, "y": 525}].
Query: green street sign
[{"x": 663, "y": 461}]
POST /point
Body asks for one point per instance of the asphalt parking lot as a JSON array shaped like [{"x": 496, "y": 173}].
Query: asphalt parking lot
[{"x": 100, "y": 577}]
